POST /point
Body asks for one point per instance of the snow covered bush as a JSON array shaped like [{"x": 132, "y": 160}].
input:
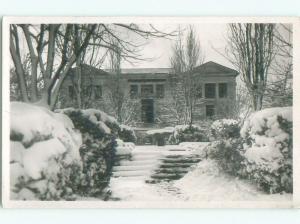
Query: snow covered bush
[
  {"x": 160, "y": 136},
  {"x": 188, "y": 133},
  {"x": 127, "y": 134},
  {"x": 227, "y": 146},
  {"x": 225, "y": 128},
  {"x": 269, "y": 149},
  {"x": 44, "y": 154},
  {"x": 99, "y": 132}
]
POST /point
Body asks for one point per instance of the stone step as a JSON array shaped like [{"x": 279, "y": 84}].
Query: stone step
[
  {"x": 131, "y": 173},
  {"x": 145, "y": 157},
  {"x": 146, "y": 152},
  {"x": 167, "y": 176},
  {"x": 138, "y": 163},
  {"x": 174, "y": 156},
  {"x": 137, "y": 167},
  {"x": 176, "y": 165},
  {"x": 172, "y": 170},
  {"x": 188, "y": 161},
  {"x": 131, "y": 178}
]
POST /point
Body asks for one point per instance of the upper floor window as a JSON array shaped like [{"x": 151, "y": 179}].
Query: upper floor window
[
  {"x": 98, "y": 92},
  {"x": 134, "y": 91},
  {"x": 160, "y": 91},
  {"x": 222, "y": 90},
  {"x": 71, "y": 91},
  {"x": 147, "y": 90},
  {"x": 210, "y": 90}
]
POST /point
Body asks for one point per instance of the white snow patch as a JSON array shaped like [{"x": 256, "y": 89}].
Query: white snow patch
[
  {"x": 124, "y": 148},
  {"x": 208, "y": 183},
  {"x": 37, "y": 157},
  {"x": 166, "y": 130},
  {"x": 193, "y": 146}
]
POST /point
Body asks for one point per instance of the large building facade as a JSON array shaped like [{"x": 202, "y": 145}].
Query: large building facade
[{"x": 152, "y": 93}]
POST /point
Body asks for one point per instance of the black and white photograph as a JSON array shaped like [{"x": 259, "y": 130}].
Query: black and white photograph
[{"x": 148, "y": 112}]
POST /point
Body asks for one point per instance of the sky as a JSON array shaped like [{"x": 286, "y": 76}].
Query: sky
[{"x": 212, "y": 39}]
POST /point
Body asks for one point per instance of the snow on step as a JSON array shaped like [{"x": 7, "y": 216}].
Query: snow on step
[
  {"x": 129, "y": 173},
  {"x": 138, "y": 163},
  {"x": 145, "y": 157},
  {"x": 136, "y": 167},
  {"x": 122, "y": 179}
]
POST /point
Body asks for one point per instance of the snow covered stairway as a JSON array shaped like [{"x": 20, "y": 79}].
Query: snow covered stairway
[
  {"x": 173, "y": 167},
  {"x": 155, "y": 164},
  {"x": 141, "y": 164}
]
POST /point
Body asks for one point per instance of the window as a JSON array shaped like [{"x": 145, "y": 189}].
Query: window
[
  {"x": 98, "y": 92},
  {"x": 160, "y": 91},
  {"x": 210, "y": 110},
  {"x": 222, "y": 90},
  {"x": 199, "y": 91},
  {"x": 210, "y": 90},
  {"x": 71, "y": 92},
  {"x": 134, "y": 91},
  {"x": 147, "y": 90}
]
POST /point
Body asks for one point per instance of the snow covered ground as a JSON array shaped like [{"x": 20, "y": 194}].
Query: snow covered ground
[
  {"x": 208, "y": 183},
  {"x": 204, "y": 182}
]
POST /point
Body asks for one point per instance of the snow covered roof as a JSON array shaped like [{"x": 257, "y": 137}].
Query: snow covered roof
[
  {"x": 146, "y": 70},
  {"x": 207, "y": 68},
  {"x": 88, "y": 69},
  {"x": 211, "y": 67}
]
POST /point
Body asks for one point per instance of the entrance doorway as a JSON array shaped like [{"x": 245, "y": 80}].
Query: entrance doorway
[{"x": 147, "y": 111}]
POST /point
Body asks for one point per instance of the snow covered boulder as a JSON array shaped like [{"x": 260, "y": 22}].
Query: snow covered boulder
[
  {"x": 268, "y": 136},
  {"x": 99, "y": 132},
  {"x": 44, "y": 150}
]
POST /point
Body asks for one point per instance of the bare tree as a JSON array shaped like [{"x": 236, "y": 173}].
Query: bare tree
[
  {"x": 187, "y": 55},
  {"x": 280, "y": 90},
  {"x": 251, "y": 50},
  {"x": 55, "y": 48},
  {"x": 117, "y": 98}
]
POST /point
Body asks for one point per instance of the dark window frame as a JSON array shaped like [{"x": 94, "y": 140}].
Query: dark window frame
[
  {"x": 146, "y": 94},
  {"x": 209, "y": 94},
  {"x": 160, "y": 91},
  {"x": 223, "y": 90},
  {"x": 133, "y": 92},
  {"x": 209, "y": 110},
  {"x": 98, "y": 92}
]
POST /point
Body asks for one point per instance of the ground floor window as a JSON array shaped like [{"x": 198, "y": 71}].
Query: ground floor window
[
  {"x": 134, "y": 90},
  {"x": 210, "y": 110},
  {"x": 160, "y": 91},
  {"x": 98, "y": 92}
]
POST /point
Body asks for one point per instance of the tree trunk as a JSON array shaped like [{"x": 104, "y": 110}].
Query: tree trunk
[
  {"x": 19, "y": 68},
  {"x": 78, "y": 84}
]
